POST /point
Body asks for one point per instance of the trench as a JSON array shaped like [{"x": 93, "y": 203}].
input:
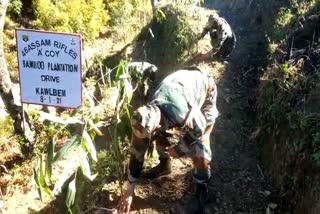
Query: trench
[{"x": 239, "y": 182}]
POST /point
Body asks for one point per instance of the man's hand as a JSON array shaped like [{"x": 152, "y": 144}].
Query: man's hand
[{"x": 126, "y": 200}]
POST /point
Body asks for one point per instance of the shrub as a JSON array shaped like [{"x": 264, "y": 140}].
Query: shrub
[
  {"x": 172, "y": 37},
  {"x": 127, "y": 17},
  {"x": 86, "y": 17},
  {"x": 6, "y": 126},
  {"x": 15, "y": 7},
  {"x": 284, "y": 18}
]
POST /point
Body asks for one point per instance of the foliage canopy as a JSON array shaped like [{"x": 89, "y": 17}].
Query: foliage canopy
[{"x": 86, "y": 17}]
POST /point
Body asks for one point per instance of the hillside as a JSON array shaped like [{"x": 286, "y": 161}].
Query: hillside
[{"x": 265, "y": 141}]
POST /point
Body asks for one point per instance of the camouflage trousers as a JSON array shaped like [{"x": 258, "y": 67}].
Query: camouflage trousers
[{"x": 199, "y": 151}]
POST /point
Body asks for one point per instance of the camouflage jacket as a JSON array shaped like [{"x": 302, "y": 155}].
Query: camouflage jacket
[
  {"x": 182, "y": 98},
  {"x": 219, "y": 31}
]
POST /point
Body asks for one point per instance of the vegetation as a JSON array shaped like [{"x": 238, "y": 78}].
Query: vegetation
[
  {"x": 283, "y": 107},
  {"x": 283, "y": 20},
  {"x": 51, "y": 182},
  {"x": 15, "y": 7},
  {"x": 127, "y": 17},
  {"x": 57, "y": 143},
  {"x": 6, "y": 124},
  {"x": 290, "y": 82},
  {"x": 169, "y": 37},
  {"x": 288, "y": 112},
  {"x": 85, "y": 17}
]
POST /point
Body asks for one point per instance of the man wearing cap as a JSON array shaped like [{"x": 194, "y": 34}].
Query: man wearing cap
[
  {"x": 142, "y": 77},
  {"x": 222, "y": 37},
  {"x": 186, "y": 99}
]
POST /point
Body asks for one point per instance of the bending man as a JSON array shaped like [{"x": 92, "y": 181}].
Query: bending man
[
  {"x": 222, "y": 37},
  {"x": 186, "y": 99}
]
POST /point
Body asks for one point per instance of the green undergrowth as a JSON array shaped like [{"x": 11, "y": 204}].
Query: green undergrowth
[
  {"x": 283, "y": 108},
  {"x": 288, "y": 85},
  {"x": 288, "y": 18},
  {"x": 127, "y": 17},
  {"x": 6, "y": 125},
  {"x": 169, "y": 37},
  {"x": 288, "y": 113}
]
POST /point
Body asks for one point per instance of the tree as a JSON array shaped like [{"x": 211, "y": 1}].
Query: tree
[{"x": 21, "y": 124}]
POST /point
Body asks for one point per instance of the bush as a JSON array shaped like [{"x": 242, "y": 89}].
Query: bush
[
  {"x": 172, "y": 37},
  {"x": 15, "y": 7},
  {"x": 86, "y": 17},
  {"x": 127, "y": 17},
  {"x": 284, "y": 18},
  {"x": 6, "y": 127}
]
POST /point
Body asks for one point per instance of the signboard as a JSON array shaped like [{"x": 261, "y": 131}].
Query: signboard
[{"x": 49, "y": 68}]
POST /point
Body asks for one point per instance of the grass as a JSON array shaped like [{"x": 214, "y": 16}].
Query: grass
[
  {"x": 172, "y": 37},
  {"x": 282, "y": 24},
  {"x": 288, "y": 108},
  {"x": 287, "y": 16},
  {"x": 127, "y": 18},
  {"x": 6, "y": 125},
  {"x": 10, "y": 48}
]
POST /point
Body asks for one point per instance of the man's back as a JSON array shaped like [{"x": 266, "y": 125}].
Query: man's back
[{"x": 180, "y": 91}]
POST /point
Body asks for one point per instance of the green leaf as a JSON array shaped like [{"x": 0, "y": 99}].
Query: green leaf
[
  {"x": 90, "y": 145},
  {"x": 50, "y": 156},
  {"x": 128, "y": 112},
  {"x": 119, "y": 70},
  {"x": 163, "y": 15},
  {"x": 85, "y": 167},
  {"x": 66, "y": 148},
  {"x": 160, "y": 16},
  {"x": 47, "y": 190},
  {"x": 128, "y": 91},
  {"x": 316, "y": 157},
  {"x": 36, "y": 179},
  {"x": 68, "y": 170},
  {"x": 42, "y": 172},
  {"x": 42, "y": 177},
  {"x": 71, "y": 194}
]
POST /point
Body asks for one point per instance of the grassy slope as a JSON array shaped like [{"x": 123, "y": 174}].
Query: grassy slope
[{"x": 288, "y": 113}]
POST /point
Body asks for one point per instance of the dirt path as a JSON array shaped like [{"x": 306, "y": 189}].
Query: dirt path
[{"x": 238, "y": 183}]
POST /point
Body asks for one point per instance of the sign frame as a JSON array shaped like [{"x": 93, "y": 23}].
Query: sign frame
[{"x": 80, "y": 67}]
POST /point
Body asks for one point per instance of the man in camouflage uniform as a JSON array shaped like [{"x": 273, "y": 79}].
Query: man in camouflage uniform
[
  {"x": 185, "y": 99},
  {"x": 142, "y": 75},
  {"x": 222, "y": 37}
]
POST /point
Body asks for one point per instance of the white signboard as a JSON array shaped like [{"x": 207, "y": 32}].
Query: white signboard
[{"x": 49, "y": 68}]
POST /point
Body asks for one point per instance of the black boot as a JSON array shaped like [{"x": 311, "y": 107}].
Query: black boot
[
  {"x": 196, "y": 204},
  {"x": 202, "y": 194},
  {"x": 163, "y": 168}
]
